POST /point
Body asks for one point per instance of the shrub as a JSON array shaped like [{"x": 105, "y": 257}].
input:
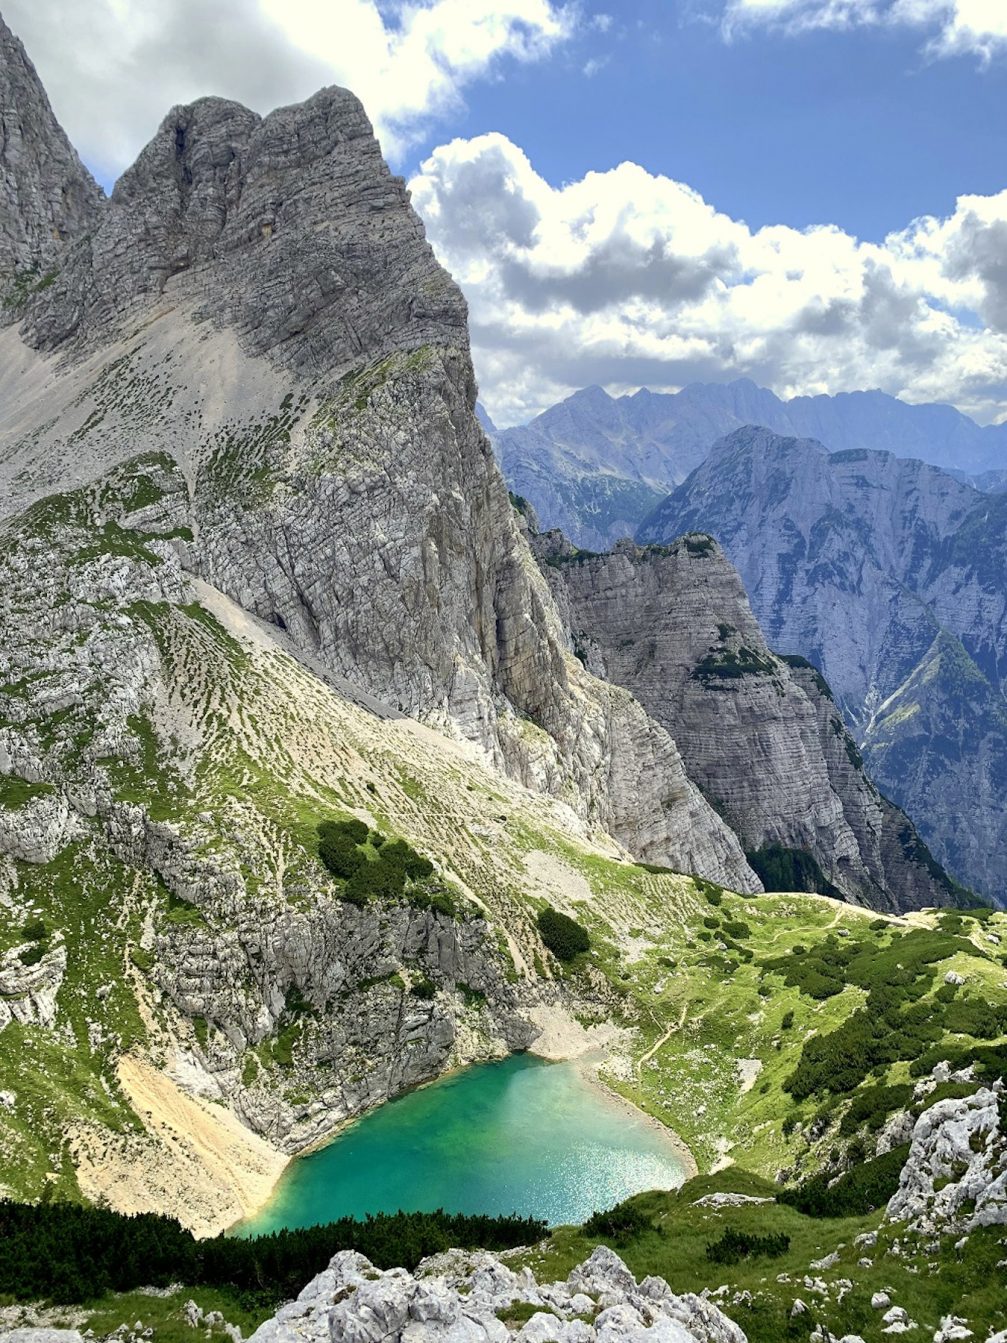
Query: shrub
[
  {"x": 564, "y": 937},
  {"x": 338, "y": 846},
  {"x": 397, "y": 853},
  {"x": 736, "y": 928},
  {"x": 734, "y": 1246},
  {"x": 423, "y": 988},
  {"x": 788, "y": 1020},
  {"x": 620, "y": 1223},
  {"x": 34, "y": 930},
  {"x": 783, "y": 869},
  {"x": 379, "y": 880},
  {"x": 873, "y": 1105},
  {"x": 893, "y": 1025},
  {"x": 439, "y": 900},
  {"x": 859, "y": 1191}
]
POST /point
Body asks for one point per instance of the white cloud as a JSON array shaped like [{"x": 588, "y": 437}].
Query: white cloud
[
  {"x": 948, "y": 27},
  {"x": 113, "y": 68},
  {"x": 625, "y": 278}
]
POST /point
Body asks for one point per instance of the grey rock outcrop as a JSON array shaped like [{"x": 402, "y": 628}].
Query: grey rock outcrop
[
  {"x": 29, "y": 985},
  {"x": 955, "y": 1177},
  {"x": 289, "y": 228},
  {"x": 889, "y": 576},
  {"x": 30, "y": 1334},
  {"x": 48, "y": 200},
  {"x": 763, "y": 738},
  {"x": 461, "y": 1298}
]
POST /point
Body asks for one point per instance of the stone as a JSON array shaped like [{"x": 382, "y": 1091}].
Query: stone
[
  {"x": 352, "y": 1301},
  {"x": 40, "y": 1335},
  {"x": 729, "y": 1199},
  {"x": 955, "y": 1177},
  {"x": 952, "y": 1329}
]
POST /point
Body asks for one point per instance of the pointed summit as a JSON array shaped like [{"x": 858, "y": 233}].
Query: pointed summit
[{"x": 47, "y": 197}]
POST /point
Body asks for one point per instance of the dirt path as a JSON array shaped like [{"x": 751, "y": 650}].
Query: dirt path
[{"x": 664, "y": 1038}]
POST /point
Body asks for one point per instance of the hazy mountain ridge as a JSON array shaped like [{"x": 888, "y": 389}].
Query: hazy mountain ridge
[
  {"x": 620, "y": 447},
  {"x": 889, "y": 575}
]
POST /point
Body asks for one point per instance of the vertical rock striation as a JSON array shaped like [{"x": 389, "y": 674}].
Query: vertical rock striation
[
  {"x": 888, "y": 574},
  {"x": 340, "y": 484},
  {"x": 763, "y": 738},
  {"x": 48, "y": 200}
]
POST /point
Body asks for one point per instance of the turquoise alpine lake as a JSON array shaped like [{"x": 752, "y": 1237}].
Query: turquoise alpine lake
[{"x": 521, "y": 1136}]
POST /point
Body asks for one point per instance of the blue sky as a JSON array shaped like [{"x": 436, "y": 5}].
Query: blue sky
[
  {"x": 809, "y": 193},
  {"x": 856, "y": 128}
]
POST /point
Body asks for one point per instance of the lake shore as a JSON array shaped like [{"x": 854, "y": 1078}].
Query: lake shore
[
  {"x": 563, "y": 1038},
  {"x": 590, "y": 1070}
]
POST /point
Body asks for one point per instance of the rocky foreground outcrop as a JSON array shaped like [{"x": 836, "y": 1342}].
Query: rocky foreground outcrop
[
  {"x": 461, "y": 1298},
  {"x": 955, "y": 1177}
]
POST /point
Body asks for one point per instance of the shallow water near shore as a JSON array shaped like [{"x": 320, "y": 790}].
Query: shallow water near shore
[{"x": 523, "y": 1135}]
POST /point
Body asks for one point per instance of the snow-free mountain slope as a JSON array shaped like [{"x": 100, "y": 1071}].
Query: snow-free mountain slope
[
  {"x": 891, "y": 576},
  {"x": 588, "y": 463}
]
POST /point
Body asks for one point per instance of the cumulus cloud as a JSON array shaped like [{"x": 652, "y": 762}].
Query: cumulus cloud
[
  {"x": 949, "y": 27},
  {"x": 625, "y": 278},
  {"x": 113, "y": 68}
]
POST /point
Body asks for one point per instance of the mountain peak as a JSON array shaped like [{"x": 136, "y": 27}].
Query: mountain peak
[{"x": 316, "y": 257}]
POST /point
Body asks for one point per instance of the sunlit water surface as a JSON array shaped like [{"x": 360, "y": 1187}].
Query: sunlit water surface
[{"x": 518, "y": 1136}]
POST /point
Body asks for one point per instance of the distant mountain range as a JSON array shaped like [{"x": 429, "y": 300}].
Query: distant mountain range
[
  {"x": 595, "y": 465},
  {"x": 891, "y": 577}
]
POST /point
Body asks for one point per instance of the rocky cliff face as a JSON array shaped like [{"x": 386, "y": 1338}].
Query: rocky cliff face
[
  {"x": 48, "y": 199},
  {"x": 764, "y": 739},
  {"x": 889, "y": 576},
  {"x": 589, "y": 463},
  {"x": 258, "y": 300}
]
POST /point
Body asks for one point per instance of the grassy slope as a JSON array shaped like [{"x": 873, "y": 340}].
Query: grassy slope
[
  {"x": 695, "y": 1010},
  {"x": 759, "y": 1293},
  {"x": 243, "y": 750}
]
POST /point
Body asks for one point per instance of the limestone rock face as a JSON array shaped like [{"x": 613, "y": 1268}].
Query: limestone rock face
[
  {"x": 955, "y": 1177},
  {"x": 258, "y": 300},
  {"x": 28, "y": 990},
  {"x": 763, "y": 739},
  {"x": 48, "y": 199},
  {"x": 888, "y": 575},
  {"x": 289, "y": 228},
  {"x": 456, "y": 1296}
]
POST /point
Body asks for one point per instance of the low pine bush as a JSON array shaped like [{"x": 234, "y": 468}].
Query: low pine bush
[
  {"x": 734, "y": 1246},
  {"x": 564, "y": 936}
]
